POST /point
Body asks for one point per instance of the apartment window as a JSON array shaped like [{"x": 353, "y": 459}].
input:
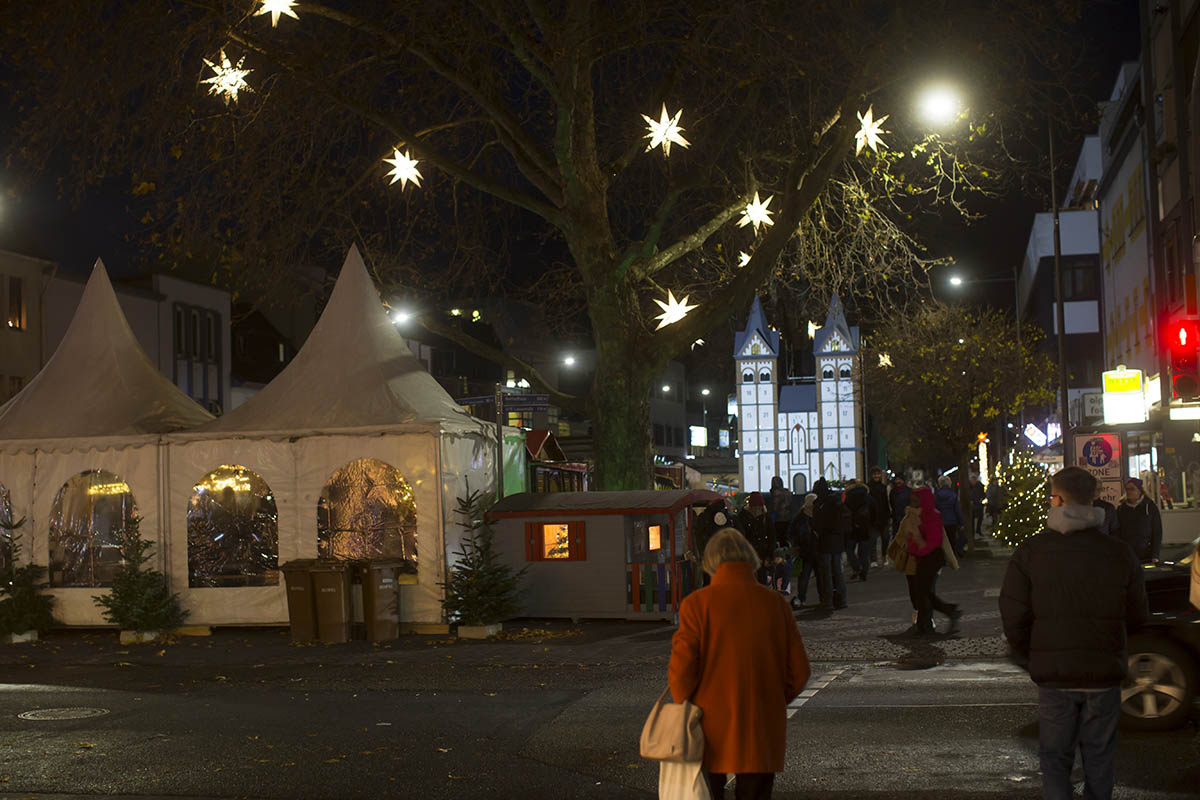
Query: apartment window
[
  {"x": 658, "y": 434},
  {"x": 180, "y": 334},
  {"x": 16, "y": 305},
  {"x": 654, "y": 535},
  {"x": 194, "y": 338},
  {"x": 555, "y": 541},
  {"x": 210, "y": 338}
]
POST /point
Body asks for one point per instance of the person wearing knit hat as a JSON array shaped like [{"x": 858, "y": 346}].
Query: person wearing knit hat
[
  {"x": 803, "y": 542},
  {"x": 756, "y": 527},
  {"x": 1139, "y": 522}
]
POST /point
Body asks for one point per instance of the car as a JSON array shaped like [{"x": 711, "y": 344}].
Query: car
[{"x": 1164, "y": 655}]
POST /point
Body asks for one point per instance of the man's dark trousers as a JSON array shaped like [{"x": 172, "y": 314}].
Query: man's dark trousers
[{"x": 1086, "y": 721}]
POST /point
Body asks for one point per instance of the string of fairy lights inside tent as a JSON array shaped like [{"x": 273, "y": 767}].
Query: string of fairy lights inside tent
[{"x": 229, "y": 79}]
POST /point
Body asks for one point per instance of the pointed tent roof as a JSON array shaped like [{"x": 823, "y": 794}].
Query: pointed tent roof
[
  {"x": 354, "y": 372},
  {"x": 835, "y": 324},
  {"x": 99, "y": 382},
  {"x": 757, "y": 323}
]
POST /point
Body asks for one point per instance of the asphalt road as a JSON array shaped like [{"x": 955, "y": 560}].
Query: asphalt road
[{"x": 553, "y": 712}]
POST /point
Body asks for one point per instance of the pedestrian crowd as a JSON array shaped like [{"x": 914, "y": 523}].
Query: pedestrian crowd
[{"x": 1069, "y": 596}]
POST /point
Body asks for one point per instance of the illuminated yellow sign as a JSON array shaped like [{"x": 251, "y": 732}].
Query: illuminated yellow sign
[{"x": 120, "y": 487}]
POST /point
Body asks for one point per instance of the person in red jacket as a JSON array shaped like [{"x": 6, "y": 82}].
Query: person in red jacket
[
  {"x": 739, "y": 657},
  {"x": 926, "y": 546}
]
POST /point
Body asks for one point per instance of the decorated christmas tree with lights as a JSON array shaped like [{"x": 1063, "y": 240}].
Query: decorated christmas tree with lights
[{"x": 1023, "y": 487}]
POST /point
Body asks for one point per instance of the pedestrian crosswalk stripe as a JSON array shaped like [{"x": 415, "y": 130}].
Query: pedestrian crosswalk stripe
[{"x": 814, "y": 687}]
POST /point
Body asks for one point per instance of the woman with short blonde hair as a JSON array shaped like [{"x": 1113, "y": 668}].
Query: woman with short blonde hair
[
  {"x": 739, "y": 657},
  {"x": 727, "y": 545}
]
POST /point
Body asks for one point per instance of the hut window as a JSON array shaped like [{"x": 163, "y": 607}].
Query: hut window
[
  {"x": 655, "y": 535},
  {"x": 89, "y": 512},
  {"x": 827, "y": 373},
  {"x": 555, "y": 541},
  {"x": 844, "y": 371},
  {"x": 367, "y": 510},
  {"x": 233, "y": 530}
]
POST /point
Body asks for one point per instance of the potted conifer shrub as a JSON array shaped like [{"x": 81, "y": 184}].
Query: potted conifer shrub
[
  {"x": 481, "y": 591},
  {"x": 140, "y": 603},
  {"x": 25, "y": 612}
]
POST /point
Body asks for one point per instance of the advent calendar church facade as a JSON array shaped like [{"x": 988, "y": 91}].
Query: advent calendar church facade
[{"x": 806, "y": 430}]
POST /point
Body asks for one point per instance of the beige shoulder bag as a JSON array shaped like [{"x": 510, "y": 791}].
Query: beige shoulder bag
[{"x": 672, "y": 731}]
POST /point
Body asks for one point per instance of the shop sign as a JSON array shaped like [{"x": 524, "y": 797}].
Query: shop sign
[
  {"x": 1124, "y": 399},
  {"x": 1100, "y": 454}
]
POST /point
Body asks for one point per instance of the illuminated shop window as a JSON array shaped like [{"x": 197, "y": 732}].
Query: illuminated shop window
[
  {"x": 233, "y": 530},
  {"x": 655, "y": 536},
  {"x": 88, "y": 512},
  {"x": 367, "y": 510},
  {"x": 555, "y": 541}
]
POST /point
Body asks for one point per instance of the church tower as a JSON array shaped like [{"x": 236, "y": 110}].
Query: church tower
[
  {"x": 756, "y": 357},
  {"x": 839, "y": 396}
]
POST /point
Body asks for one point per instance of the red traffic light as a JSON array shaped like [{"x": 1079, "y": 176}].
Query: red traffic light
[
  {"x": 1182, "y": 335},
  {"x": 1183, "y": 347}
]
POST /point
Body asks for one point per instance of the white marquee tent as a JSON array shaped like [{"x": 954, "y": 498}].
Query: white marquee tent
[
  {"x": 354, "y": 391},
  {"x": 98, "y": 404}
]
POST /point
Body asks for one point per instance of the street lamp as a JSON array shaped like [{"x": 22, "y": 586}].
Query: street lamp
[
  {"x": 955, "y": 280},
  {"x": 939, "y": 105},
  {"x": 569, "y": 361},
  {"x": 705, "y": 392}
]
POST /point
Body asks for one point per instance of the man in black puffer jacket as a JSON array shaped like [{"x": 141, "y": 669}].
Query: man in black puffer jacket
[{"x": 1069, "y": 596}]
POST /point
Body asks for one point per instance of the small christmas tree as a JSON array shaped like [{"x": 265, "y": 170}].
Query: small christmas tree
[
  {"x": 140, "y": 599},
  {"x": 480, "y": 590},
  {"x": 1023, "y": 487},
  {"x": 23, "y": 607}
]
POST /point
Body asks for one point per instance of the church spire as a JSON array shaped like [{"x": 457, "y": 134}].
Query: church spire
[{"x": 768, "y": 338}]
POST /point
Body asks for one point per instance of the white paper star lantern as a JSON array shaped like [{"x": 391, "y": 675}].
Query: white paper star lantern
[
  {"x": 698, "y": 343},
  {"x": 812, "y": 329},
  {"x": 673, "y": 310},
  {"x": 275, "y": 8},
  {"x": 665, "y": 131},
  {"x": 756, "y": 213},
  {"x": 404, "y": 169},
  {"x": 885, "y": 360},
  {"x": 743, "y": 258},
  {"x": 227, "y": 79},
  {"x": 869, "y": 131}
]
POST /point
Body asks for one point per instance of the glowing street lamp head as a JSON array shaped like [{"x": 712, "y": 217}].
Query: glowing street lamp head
[
  {"x": 402, "y": 316},
  {"x": 569, "y": 361},
  {"x": 705, "y": 392},
  {"x": 955, "y": 280},
  {"x": 939, "y": 105}
]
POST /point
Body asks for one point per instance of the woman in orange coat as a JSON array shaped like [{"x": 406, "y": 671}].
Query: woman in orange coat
[{"x": 738, "y": 655}]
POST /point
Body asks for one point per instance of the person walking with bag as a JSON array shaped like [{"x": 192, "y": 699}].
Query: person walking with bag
[
  {"x": 1069, "y": 598},
  {"x": 925, "y": 543},
  {"x": 803, "y": 541},
  {"x": 739, "y": 657}
]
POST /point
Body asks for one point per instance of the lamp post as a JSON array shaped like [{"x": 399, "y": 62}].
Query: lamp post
[{"x": 1063, "y": 392}]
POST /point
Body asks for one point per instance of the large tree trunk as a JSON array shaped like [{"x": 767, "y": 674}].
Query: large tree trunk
[{"x": 619, "y": 405}]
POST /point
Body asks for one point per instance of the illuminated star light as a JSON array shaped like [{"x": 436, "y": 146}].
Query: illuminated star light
[
  {"x": 698, "y": 342},
  {"x": 227, "y": 79},
  {"x": 756, "y": 213},
  {"x": 743, "y": 258},
  {"x": 664, "y": 131},
  {"x": 868, "y": 134},
  {"x": 885, "y": 360},
  {"x": 275, "y": 8},
  {"x": 673, "y": 310},
  {"x": 404, "y": 168}
]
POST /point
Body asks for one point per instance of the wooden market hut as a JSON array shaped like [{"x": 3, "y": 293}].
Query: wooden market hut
[{"x": 601, "y": 554}]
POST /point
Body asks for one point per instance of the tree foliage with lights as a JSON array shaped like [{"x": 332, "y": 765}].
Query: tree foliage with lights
[
  {"x": 1023, "y": 487},
  {"x": 937, "y": 375},
  {"x": 252, "y": 138}
]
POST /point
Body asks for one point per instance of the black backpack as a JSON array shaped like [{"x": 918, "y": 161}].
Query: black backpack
[{"x": 860, "y": 524}]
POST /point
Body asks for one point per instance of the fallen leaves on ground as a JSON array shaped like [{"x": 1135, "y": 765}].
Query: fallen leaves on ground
[{"x": 537, "y": 633}]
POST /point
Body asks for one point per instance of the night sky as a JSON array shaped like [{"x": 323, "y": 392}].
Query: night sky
[{"x": 40, "y": 224}]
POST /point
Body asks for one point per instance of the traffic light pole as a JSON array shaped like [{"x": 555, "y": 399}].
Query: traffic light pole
[{"x": 1063, "y": 393}]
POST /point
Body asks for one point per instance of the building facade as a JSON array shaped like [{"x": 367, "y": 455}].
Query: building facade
[{"x": 802, "y": 431}]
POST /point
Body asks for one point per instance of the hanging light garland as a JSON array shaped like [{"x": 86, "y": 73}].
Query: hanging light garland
[
  {"x": 665, "y": 131},
  {"x": 275, "y": 8},
  {"x": 672, "y": 310},
  {"x": 869, "y": 131},
  {"x": 756, "y": 213},
  {"x": 227, "y": 79},
  {"x": 404, "y": 168}
]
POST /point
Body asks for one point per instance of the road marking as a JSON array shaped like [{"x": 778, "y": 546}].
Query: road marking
[
  {"x": 991, "y": 592},
  {"x": 927, "y": 705},
  {"x": 814, "y": 687}
]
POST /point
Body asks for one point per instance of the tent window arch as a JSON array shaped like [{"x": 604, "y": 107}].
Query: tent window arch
[
  {"x": 844, "y": 372},
  {"x": 367, "y": 510},
  {"x": 827, "y": 373},
  {"x": 748, "y": 376},
  {"x": 233, "y": 530},
  {"x": 88, "y": 512},
  {"x": 7, "y": 526}
]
